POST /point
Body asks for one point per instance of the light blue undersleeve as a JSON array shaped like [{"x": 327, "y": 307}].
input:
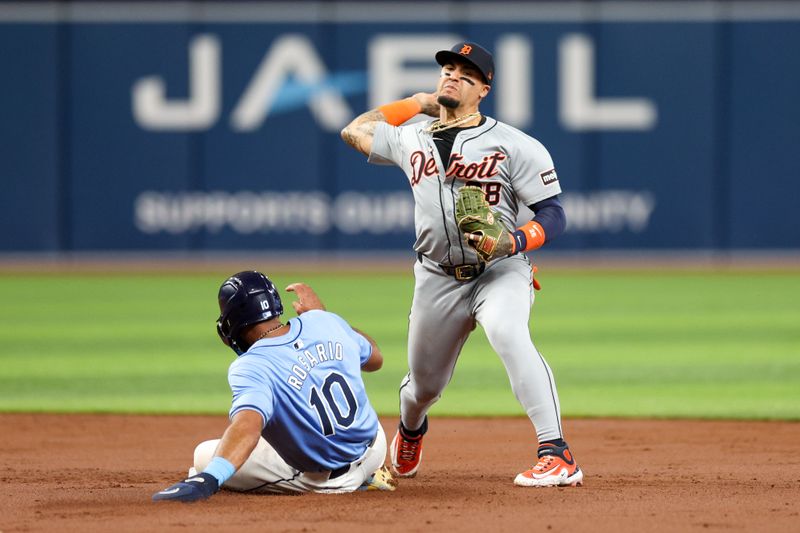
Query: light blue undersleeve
[{"x": 220, "y": 468}]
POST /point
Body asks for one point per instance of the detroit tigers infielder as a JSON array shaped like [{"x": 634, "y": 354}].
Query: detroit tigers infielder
[
  {"x": 300, "y": 419},
  {"x": 454, "y": 288}
]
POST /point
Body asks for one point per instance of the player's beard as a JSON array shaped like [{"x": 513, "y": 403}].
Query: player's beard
[{"x": 449, "y": 103}]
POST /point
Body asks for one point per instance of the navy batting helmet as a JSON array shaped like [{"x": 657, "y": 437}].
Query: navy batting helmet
[{"x": 245, "y": 299}]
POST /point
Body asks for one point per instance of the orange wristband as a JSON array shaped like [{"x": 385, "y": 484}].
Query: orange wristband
[
  {"x": 400, "y": 111},
  {"x": 528, "y": 237}
]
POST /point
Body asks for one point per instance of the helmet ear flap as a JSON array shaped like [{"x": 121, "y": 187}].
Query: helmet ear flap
[{"x": 226, "y": 340}]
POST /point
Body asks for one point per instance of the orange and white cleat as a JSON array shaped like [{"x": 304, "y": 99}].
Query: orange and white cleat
[
  {"x": 556, "y": 468},
  {"x": 406, "y": 453}
]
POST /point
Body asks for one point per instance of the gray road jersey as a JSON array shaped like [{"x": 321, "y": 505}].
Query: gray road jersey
[{"x": 510, "y": 166}]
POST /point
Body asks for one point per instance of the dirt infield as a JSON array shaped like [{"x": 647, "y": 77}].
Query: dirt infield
[{"x": 97, "y": 473}]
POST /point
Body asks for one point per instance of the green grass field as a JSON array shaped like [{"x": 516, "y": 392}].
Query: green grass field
[{"x": 644, "y": 344}]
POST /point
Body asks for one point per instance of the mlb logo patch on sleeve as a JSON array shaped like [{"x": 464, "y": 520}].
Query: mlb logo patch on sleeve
[{"x": 549, "y": 176}]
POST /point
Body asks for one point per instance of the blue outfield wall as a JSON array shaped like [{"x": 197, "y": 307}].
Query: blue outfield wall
[{"x": 179, "y": 126}]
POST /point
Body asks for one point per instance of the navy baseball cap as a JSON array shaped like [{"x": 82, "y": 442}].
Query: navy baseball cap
[{"x": 472, "y": 53}]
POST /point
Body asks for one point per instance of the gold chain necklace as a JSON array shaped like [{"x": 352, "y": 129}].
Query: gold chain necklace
[
  {"x": 270, "y": 330},
  {"x": 438, "y": 125}
]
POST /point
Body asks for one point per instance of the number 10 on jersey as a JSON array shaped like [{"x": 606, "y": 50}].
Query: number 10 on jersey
[{"x": 335, "y": 385}]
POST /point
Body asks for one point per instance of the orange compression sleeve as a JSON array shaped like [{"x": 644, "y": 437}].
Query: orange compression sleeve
[
  {"x": 400, "y": 111},
  {"x": 528, "y": 237}
]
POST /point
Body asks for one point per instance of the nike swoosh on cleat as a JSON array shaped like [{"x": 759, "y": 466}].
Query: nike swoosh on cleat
[
  {"x": 549, "y": 472},
  {"x": 170, "y": 491}
]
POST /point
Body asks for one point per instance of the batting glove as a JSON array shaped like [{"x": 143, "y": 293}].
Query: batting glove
[{"x": 199, "y": 487}]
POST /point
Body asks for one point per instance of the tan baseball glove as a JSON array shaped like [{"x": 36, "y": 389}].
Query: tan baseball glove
[{"x": 481, "y": 226}]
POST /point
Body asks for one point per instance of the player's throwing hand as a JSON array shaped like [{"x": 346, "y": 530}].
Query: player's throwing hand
[{"x": 429, "y": 104}]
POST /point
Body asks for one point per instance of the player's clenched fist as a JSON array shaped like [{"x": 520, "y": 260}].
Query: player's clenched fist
[
  {"x": 307, "y": 299},
  {"x": 199, "y": 487}
]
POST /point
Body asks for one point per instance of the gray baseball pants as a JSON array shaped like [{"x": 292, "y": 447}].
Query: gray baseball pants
[{"x": 443, "y": 314}]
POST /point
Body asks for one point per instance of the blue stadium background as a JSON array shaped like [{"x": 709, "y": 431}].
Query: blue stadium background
[{"x": 213, "y": 126}]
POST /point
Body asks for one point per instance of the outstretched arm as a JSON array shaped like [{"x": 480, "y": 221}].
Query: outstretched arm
[
  {"x": 241, "y": 437},
  {"x": 236, "y": 445},
  {"x": 360, "y": 131}
]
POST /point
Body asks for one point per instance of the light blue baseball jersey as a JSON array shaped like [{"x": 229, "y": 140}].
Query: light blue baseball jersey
[{"x": 307, "y": 386}]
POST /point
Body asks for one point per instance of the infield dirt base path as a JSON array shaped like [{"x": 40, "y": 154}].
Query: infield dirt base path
[{"x": 98, "y": 472}]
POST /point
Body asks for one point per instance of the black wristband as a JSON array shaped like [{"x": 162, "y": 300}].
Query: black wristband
[{"x": 520, "y": 241}]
